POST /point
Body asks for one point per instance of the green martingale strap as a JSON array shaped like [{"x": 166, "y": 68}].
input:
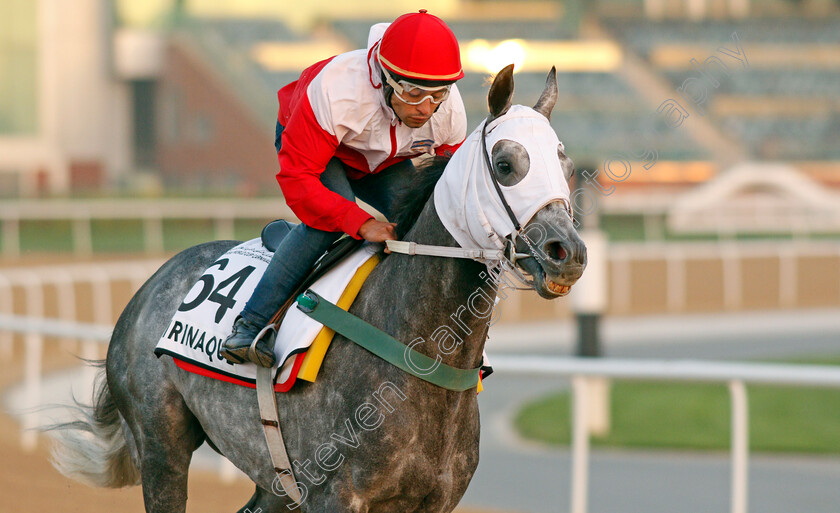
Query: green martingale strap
[{"x": 385, "y": 346}]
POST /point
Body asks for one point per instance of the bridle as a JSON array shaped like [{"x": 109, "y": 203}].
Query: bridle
[
  {"x": 506, "y": 257},
  {"x": 510, "y": 240}
]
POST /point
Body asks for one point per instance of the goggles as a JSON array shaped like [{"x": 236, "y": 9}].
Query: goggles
[{"x": 414, "y": 94}]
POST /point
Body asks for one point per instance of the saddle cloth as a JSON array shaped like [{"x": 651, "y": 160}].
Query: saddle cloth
[{"x": 205, "y": 318}]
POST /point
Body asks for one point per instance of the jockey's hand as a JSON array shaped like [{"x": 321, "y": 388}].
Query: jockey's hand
[{"x": 377, "y": 231}]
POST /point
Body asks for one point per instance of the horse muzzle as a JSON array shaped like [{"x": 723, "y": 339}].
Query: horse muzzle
[{"x": 551, "y": 283}]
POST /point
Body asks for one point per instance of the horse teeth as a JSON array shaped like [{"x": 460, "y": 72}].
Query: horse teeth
[{"x": 556, "y": 287}]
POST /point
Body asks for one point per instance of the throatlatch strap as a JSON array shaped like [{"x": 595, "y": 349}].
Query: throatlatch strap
[
  {"x": 273, "y": 436},
  {"x": 385, "y": 346}
]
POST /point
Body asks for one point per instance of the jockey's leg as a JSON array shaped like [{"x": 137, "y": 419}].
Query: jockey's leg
[
  {"x": 291, "y": 262},
  {"x": 381, "y": 190}
]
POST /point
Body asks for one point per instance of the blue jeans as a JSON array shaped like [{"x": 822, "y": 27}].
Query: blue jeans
[{"x": 299, "y": 250}]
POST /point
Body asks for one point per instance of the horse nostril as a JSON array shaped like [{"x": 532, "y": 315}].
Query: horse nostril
[{"x": 555, "y": 251}]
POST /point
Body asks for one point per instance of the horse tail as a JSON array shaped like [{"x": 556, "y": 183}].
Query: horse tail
[{"x": 93, "y": 448}]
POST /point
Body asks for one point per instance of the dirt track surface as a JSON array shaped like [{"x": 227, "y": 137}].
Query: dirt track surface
[{"x": 29, "y": 483}]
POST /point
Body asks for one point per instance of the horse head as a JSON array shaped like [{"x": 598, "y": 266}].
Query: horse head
[{"x": 507, "y": 188}]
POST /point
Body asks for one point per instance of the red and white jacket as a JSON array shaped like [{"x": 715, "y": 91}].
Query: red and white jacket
[{"x": 336, "y": 109}]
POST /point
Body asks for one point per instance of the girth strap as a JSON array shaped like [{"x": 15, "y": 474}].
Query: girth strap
[
  {"x": 265, "y": 384},
  {"x": 273, "y": 436},
  {"x": 385, "y": 346}
]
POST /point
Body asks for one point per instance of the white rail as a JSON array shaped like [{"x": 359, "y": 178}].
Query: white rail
[
  {"x": 736, "y": 375},
  {"x": 54, "y": 328},
  {"x": 152, "y": 213},
  {"x": 35, "y": 329},
  {"x": 35, "y": 281},
  {"x": 679, "y": 262},
  {"x": 578, "y": 370}
]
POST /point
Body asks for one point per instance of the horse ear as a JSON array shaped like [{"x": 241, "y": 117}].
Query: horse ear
[
  {"x": 549, "y": 95},
  {"x": 501, "y": 92}
]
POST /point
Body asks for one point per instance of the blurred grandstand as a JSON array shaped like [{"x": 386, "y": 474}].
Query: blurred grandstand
[{"x": 181, "y": 94}]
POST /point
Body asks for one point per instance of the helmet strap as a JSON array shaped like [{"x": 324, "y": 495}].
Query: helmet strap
[{"x": 388, "y": 93}]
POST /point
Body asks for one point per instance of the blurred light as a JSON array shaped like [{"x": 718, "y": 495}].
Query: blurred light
[
  {"x": 139, "y": 54},
  {"x": 294, "y": 56},
  {"x": 679, "y": 56},
  {"x": 141, "y": 14},
  {"x": 539, "y": 56},
  {"x": 479, "y": 55},
  {"x": 674, "y": 172},
  {"x": 492, "y": 59},
  {"x": 303, "y": 16}
]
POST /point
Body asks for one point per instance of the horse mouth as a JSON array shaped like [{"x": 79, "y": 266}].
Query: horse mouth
[
  {"x": 545, "y": 285},
  {"x": 556, "y": 288}
]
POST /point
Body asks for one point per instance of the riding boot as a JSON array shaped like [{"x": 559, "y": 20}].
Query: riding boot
[{"x": 236, "y": 348}]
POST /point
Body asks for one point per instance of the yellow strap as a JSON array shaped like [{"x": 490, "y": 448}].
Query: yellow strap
[{"x": 315, "y": 354}]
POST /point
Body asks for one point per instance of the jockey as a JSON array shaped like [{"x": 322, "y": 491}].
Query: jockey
[{"x": 345, "y": 129}]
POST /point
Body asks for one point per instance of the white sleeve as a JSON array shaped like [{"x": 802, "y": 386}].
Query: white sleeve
[
  {"x": 457, "y": 118},
  {"x": 319, "y": 100},
  {"x": 376, "y": 33}
]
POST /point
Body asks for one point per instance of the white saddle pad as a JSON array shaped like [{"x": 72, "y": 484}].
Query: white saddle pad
[{"x": 206, "y": 315}]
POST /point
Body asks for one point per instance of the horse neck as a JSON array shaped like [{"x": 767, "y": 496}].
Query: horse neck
[{"x": 446, "y": 301}]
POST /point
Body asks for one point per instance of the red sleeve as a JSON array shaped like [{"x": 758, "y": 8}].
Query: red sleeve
[
  {"x": 305, "y": 152},
  {"x": 446, "y": 150}
]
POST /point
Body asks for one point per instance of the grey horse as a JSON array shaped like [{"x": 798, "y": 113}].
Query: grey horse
[{"x": 365, "y": 437}]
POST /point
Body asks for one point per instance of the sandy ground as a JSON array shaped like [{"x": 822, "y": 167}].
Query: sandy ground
[{"x": 29, "y": 484}]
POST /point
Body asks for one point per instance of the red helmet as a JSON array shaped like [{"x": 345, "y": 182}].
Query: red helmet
[{"x": 419, "y": 46}]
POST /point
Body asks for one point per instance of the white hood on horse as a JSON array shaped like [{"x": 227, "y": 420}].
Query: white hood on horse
[{"x": 465, "y": 198}]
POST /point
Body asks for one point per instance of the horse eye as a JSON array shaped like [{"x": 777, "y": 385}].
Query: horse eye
[{"x": 504, "y": 168}]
